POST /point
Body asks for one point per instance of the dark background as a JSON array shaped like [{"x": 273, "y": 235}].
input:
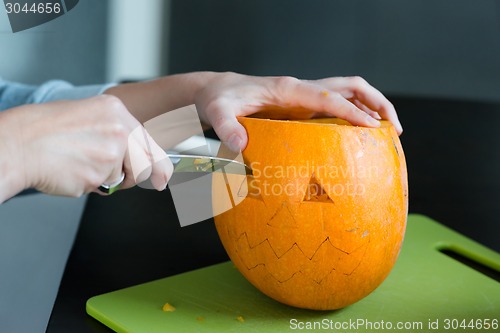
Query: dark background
[{"x": 431, "y": 48}]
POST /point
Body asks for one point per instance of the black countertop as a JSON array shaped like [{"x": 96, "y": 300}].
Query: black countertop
[{"x": 132, "y": 237}]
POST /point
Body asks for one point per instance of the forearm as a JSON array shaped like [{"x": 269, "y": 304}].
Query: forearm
[
  {"x": 12, "y": 177},
  {"x": 146, "y": 100}
]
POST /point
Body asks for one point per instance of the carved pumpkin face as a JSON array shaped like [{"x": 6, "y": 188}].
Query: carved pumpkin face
[{"x": 324, "y": 213}]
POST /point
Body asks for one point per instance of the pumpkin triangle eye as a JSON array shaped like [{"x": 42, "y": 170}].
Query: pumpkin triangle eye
[{"x": 315, "y": 192}]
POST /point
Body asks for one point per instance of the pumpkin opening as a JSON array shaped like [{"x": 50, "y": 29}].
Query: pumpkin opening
[{"x": 325, "y": 121}]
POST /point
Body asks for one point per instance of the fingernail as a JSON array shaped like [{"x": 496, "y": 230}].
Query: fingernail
[
  {"x": 400, "y": 129},
  {"x": 234, "y": 143}
]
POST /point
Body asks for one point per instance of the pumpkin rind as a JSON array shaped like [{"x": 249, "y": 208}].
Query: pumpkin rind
[{"x": 315, "y": 249}]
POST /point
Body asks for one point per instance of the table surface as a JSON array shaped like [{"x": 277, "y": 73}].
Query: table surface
[{"x": 134, "y": 237}]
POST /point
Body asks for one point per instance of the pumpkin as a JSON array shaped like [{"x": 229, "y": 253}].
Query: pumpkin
[{"x": 320, "y": 222}]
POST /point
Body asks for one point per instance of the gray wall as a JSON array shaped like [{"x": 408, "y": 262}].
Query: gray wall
[
  {"x": 37, "y": 231},
  {"x": 425, "y": 48},
  {"x": 36, "y": 235},
  {"x": 72, "y": 47}
]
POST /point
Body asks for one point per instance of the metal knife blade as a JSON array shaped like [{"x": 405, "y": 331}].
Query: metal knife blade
[{"x": 198, "y": 163}]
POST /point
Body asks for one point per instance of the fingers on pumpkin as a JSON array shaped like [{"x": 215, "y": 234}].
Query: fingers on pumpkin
[
  {"x": 369, "y": 111},
  {"x": 375, "y": 101},
  {"x": 344, "y": 109},
  {"x": 314, "y": 97},
  {"x": 365, "y": 97}
]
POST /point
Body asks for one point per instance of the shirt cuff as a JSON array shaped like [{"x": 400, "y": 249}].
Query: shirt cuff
[{"x": 56, "y": 90}]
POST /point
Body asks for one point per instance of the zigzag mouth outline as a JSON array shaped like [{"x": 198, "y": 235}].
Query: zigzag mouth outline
[{"x": 327, "y": 239}]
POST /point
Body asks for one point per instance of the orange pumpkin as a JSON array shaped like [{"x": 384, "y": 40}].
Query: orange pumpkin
[{"x": 322, "y": 219}]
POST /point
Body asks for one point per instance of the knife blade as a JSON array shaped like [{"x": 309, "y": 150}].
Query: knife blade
[{"x": 206, "y": 164}]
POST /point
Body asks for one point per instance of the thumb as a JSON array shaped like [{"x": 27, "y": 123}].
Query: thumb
[
  {"x": 234, "y": 136},
  {"x": 229, "y": 130}
]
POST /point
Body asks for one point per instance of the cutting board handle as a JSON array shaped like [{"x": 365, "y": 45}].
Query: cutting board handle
[{"x": 475, "y": 260}]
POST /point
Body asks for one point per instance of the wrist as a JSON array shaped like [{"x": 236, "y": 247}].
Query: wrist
[
  {"x": 149, "y": 99},
  {"x": 12, "y": 168},
  {"x": 198, "y": 81}
]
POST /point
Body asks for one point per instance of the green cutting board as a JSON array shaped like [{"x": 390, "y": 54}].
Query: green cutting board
[{"x": 427, "y": 290}]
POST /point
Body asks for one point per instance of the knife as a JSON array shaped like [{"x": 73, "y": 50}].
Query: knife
[{"x": 206, "y": 164}]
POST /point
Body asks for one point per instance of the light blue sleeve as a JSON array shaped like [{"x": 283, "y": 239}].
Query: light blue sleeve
[{"x": 14, "y": 94}]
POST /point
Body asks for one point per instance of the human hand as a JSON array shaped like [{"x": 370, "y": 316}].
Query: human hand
[
  {"x": 229, "y": 95},
  {"x": 72, "y": 147}
]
